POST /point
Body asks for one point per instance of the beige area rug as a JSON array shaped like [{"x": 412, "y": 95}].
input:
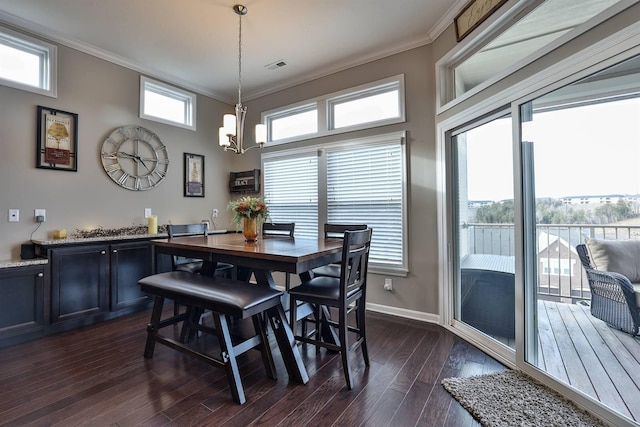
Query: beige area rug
[{"x": 512, "y": 398}]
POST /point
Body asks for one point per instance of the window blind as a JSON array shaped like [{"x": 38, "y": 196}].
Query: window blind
[
  {"x": 291, "y": 192},
  {"x": 365, "y": 185}
]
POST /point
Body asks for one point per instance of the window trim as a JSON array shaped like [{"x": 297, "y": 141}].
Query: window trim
[
  {"x": 322, "y": 104},
  {"x": 48, "y": 61},
  {"x": 188, "y": 98},
  {"x": 380, "y": 139}
]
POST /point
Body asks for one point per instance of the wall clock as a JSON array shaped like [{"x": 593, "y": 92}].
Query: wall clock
[{"x": 135, "y": 158}]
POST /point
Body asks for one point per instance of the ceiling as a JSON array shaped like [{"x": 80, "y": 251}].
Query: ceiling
[{"x": 194, "y": 43}]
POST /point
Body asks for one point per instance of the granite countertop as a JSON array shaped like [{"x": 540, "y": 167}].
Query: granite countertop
[
  {"x": 22, "y": 262},
  {"x": 105, "y": 235}
]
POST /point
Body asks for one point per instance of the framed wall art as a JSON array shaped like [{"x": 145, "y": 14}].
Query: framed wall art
[
  {"x": 474, "y": 14},
  {"x": 193, "y": 175},
  {"x": 57, "y": 145}
]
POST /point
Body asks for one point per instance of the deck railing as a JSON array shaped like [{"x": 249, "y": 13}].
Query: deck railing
[{"x": 559, "y": 271}]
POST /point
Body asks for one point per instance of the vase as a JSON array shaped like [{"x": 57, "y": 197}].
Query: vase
[{"x": 250, "y": 229}]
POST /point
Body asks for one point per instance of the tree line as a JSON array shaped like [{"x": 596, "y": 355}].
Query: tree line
[{"x": 553, "y": 211}]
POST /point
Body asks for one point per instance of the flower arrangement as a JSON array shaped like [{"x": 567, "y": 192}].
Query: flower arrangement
[{"x": 248, "y": 207}]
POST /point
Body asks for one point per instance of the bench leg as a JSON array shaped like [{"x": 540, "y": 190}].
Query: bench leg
[
  {"x": 153, "y": 326},
  {"x": 286, "y": 344},
  {"x": 229, "y": 358},
  {"x": 265, "y": 349}
]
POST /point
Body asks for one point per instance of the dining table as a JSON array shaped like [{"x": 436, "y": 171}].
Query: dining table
[{"x": 268, "y": 254}]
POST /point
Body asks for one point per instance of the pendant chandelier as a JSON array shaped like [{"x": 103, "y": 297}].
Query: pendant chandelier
[{"x": 231, "y": 134}]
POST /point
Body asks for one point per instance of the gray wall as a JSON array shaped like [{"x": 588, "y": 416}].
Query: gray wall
[
  {"x": 105, "y": 96},
  {"x": 419, "y": 290}
]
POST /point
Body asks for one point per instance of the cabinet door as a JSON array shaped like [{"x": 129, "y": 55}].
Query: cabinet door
[
  {"x": 78, "y": 282},
  {"x": 130, "y": 262},
  {"x": 22, "y": 300}
]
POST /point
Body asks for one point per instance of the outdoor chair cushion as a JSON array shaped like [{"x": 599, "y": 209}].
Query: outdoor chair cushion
[{"x": 619, "y": 256}]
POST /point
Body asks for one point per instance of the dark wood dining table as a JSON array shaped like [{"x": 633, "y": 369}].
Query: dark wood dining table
[{"x": 261, "y": 258}]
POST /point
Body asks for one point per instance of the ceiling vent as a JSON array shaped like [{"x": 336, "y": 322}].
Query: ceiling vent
[{"x": 275, "y": 65}]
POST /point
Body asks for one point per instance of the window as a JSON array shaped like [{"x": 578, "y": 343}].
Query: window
[
  {"x": 368, "y": 106},
  {"x": 27, "y": 63},
  {"x": 519, "y": 35},
  {"x": 167, "y": 104},
  {"x": 356, "y": 181},
  {"x": 373, "y": 104},
  {"x": 297, "y": 122}
]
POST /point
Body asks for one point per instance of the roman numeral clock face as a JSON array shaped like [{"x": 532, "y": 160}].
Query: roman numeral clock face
[{"x": 135, "y": 158}]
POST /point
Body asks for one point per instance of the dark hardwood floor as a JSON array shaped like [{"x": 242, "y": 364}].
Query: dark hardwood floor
[{"x": 97, "y": 376}]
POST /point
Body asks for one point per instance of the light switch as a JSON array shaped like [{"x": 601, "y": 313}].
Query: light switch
[{"x": 14, "y": 215}]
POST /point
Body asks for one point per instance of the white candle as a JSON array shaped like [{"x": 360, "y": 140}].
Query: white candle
[{"x": 152, "y": 227}]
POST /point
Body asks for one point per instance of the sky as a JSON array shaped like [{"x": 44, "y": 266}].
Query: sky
[{"x": 590, "y": 150}]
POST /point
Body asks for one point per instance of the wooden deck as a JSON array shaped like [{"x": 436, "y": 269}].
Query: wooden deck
[{"x": 583, "y": 351}]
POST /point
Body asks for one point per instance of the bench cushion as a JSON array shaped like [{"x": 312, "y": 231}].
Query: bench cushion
[{"x": 218, "y": 294}]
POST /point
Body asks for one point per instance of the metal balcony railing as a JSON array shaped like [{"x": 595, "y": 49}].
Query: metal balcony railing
[{"x": 559, "y": 271}]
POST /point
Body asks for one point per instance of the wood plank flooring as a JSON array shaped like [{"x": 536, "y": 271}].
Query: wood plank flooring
[
  {"x": 584, "y": 352},
  {"x": 97, "y": 376}
]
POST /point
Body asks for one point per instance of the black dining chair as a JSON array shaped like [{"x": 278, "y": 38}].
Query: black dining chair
[
  {"x": 335, "y": 231},
  {"x": 344, "y": 294},
  {"x": 280, "y": 229}
]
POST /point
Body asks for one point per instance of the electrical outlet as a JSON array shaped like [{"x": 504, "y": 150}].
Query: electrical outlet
[
  {"x": 388, "y": 284},
  {"x": 214, "y": 213},
  {"x": 40, "y": 213},
  {"x": 147, "y": 212},
  {"x": 14, "y": 215}
]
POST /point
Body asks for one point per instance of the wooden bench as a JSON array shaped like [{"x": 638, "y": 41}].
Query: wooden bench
[{"x": 224, "y": 298}]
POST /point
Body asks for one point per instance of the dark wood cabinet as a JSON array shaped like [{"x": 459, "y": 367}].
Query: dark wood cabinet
[
  {"x": 129, "y": 262},
  {"x": 78, "y": 281},
  {"x": 96, "y": 282},
  {"x": 22, "y": 303}
]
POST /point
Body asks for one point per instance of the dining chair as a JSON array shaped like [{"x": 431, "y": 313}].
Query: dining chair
[
  {"x": 335, "y": 231},
  {"x": 280, "y": 229},
  {"x": 344, "y": 294}
]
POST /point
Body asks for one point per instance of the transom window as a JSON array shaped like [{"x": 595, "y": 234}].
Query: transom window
[
  {"x": 167, "y": 104},
  {"x": 348, "y": 182},
  {"x": 27, "y": 63},
  {"x": 374, "y": 104}
]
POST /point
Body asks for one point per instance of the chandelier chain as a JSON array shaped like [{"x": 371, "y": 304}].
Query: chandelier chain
[{"x": 240, "y": 60}]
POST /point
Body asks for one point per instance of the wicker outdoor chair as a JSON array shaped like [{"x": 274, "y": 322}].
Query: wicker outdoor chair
[{"x": 612, "y": 297}]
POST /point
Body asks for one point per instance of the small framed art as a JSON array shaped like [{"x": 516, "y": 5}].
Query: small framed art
[
  {"x": 193, "y": 175},
  {"x": 474, "y": 14},
  {"x": 57, "y": 145}
]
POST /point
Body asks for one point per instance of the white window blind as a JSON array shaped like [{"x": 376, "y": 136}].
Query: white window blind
[
  {"x": 363, "y": 182},
  {"x": 291, "y": 192},
  {"x": 365, "y": 185}
]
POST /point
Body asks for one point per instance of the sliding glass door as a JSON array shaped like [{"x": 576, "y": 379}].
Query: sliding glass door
[
  {"x": 484, "y": 288},
  {"x": 582, "y": 144}
]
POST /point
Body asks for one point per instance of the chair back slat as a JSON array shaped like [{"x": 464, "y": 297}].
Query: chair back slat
[
  {"x": 279, "y": 229},
  {"x": 187, "y": 229},
  {"x": 336, "y": 231},
  {"x": 355, "y": 260}
]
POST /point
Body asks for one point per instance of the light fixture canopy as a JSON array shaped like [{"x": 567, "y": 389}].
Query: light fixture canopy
[{"x": 231, "y": 134}]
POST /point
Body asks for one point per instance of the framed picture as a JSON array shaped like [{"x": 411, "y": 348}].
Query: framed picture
[
  {"x": 474, "y": 14},
  {"x": 193, "y": 175},
  {"x": 57, "y": 146}
]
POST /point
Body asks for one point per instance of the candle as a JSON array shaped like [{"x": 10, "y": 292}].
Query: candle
[
  {"x": 153, "y": 224},
  {"x": 60, "y": 234}
]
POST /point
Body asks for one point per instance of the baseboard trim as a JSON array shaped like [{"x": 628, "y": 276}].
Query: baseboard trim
[{"x": 402, "y": 312}]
